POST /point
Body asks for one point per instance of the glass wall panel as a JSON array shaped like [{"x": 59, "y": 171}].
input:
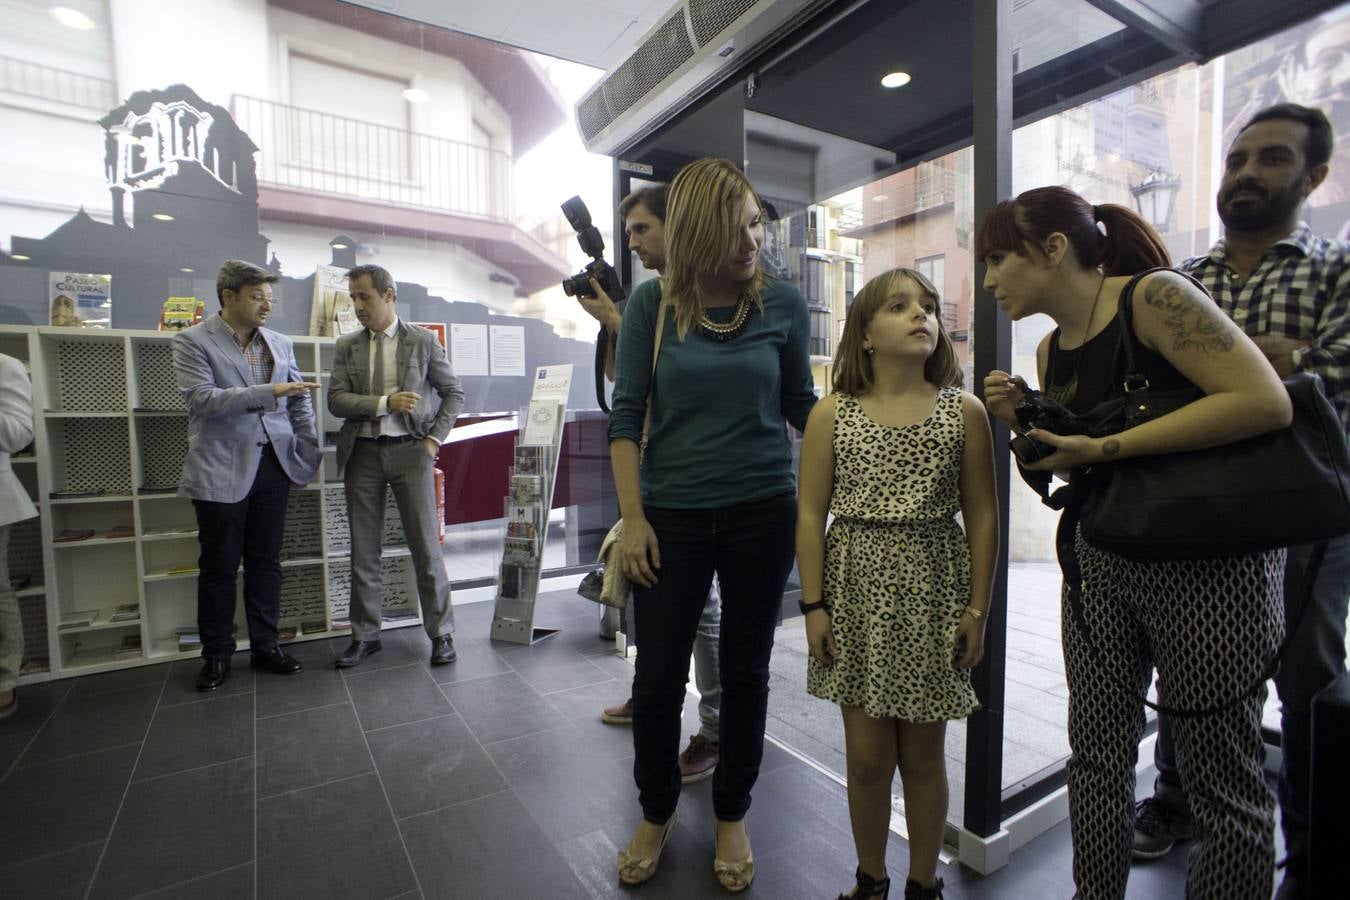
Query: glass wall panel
[{"x": 321, "y": 136}]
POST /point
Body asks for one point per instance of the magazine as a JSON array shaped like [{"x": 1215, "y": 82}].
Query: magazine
[{"x": 180, "y": 313}]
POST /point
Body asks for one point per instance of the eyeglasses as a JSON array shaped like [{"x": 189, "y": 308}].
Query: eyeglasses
[{"x": 258, "y": 297}]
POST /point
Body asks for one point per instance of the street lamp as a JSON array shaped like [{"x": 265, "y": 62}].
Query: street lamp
[{"x": 1155, "y": 197}]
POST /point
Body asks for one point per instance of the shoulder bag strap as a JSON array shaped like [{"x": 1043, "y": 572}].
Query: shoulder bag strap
[{"x": 661, "y": 311}]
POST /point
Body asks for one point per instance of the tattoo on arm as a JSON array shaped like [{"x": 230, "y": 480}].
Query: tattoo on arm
[
  {"x": 1194, "y": 324},
  {"x": 1111, "y": 447}
]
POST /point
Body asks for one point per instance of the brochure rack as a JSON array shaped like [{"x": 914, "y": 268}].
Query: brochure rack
[{"x": 526, "y": 508}]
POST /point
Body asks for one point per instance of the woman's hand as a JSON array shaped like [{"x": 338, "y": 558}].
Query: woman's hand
[
  {"x": 969, "y": 649},
  {"x": 640, "y": 552},
  {"x": 1071, "y": 450},
  {"x": 1002, "y": 392},
  {"x": 820, "y": 637}
]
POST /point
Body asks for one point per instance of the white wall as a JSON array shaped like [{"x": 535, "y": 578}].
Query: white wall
[
  {"x": 217, "y": 48},
  {"x": 447, "y": 270}
]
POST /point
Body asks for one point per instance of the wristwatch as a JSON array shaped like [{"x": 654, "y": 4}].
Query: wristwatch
[{"x": 811, "y": 607}]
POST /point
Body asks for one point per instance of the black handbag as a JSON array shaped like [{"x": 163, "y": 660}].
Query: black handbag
[{"x": 1278, "y": 489}]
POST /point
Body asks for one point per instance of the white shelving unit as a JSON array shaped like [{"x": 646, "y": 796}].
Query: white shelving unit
[{"x": 110, "y": 437}]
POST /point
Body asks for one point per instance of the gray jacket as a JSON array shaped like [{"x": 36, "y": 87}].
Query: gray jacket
[
  {"x": 422, "y": 366},
  {"x": 230, "y": 417}
]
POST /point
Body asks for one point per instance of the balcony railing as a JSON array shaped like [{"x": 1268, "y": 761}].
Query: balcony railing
[
  {"x": 314, "y": 151},
  {"x": 28, "y": 79}
]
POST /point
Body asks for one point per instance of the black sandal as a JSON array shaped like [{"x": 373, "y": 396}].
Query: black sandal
[
  {"x": 916, "y": 891},
  {"x": 868, "y": 887}
]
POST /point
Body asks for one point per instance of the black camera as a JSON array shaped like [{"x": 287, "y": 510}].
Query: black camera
[
  {"x": 1035, "y": 410},
  {"x": 588, "y": 236}
]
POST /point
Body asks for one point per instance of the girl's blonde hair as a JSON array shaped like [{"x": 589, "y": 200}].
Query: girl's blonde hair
[
  {"x": 852, "y": 364},
  {"x": 703, "y": 214}
]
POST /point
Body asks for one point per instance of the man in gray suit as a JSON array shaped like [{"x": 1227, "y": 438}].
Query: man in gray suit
[
  {"x": 251, "y": 435},
  {"x": 394, "y": 387}
]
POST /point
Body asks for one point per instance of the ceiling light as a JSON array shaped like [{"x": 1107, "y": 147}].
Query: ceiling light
[
  {"x": 187, "y": 269},
  {"x": 73, "y": 18},
  {"x": 19, "y": 256},
  {"x": 880, "y": 198},
  {"x": 163, "y": 217},
  {"x": 339, "y": 246},
  {"x": 415, "y": 95},
  {"x": 895, "y": 80}
]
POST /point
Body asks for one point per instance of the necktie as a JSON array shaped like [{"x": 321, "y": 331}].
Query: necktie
[{"x": 377, "y": 379}]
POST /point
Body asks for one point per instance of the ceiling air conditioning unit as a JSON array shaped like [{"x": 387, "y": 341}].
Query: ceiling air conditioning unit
[{"x": 688, "y": 51}]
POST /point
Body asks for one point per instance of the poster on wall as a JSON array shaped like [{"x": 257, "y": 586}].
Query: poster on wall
[
  {"x": 508, "y": 349},
  {"x": 436, "y": 328},
  {"x": 469, "y": 349},
  {"x": 332, "y": 313},
  {"x": 80, "y": 300}
]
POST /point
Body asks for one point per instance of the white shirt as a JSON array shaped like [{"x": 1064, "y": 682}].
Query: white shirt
[{"x": 390, "y": 426}]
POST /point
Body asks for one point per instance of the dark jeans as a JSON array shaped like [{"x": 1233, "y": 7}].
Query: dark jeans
[
  {"x": 750, "y": 547},
  {"x": 1315, "y": 657},
  {"x": 251, "y": 530}
]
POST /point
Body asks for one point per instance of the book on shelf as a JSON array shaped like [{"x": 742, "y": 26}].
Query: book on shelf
[
  {"x": 129, "y": 648},
  {"x": 79, "y": 618},
  {"x": 34, "y": 664},
  {"x": 127, "y": 612},
  {"x": 72, "y": 495},
  {"x": 186, "y": 569},
  {"x": 398, "y": 614},
  {"x": 314, "y": 626},
  {"x": 70, "y": 535},
  {"x": 120, "y": 531},
  {"x": 18, "y": 582},
  {"x": 287, "y": 632}
]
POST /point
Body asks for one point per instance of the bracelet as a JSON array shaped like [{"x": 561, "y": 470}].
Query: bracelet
[
  {"x": 811, "y": 607},
  {"x": 975, "y": 614}
]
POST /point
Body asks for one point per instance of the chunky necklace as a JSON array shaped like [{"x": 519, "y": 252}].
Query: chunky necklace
[{"x": 725, "y": 331}]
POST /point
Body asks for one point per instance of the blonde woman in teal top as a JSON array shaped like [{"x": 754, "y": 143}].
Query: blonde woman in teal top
[{"x": 714, "y": 493}]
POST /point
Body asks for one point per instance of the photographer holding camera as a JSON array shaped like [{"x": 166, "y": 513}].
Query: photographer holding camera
[
  {"x": 644, "y": 222},
  {"x": 1209, "y": 625}
]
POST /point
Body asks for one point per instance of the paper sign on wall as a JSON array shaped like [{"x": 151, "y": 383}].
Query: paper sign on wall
[
  {"x": 469, "y": 349},
  {"x": 508, "y": 349}
]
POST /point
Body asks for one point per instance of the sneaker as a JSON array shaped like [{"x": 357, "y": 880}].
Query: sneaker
[
  {"x": 618, "y": 715},
  {"x": 1157, "y": 828},
  {"x": 698, "y": 759}
]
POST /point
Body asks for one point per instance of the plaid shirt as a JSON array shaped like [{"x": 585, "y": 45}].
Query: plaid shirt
[
  {"x": 1300, "y": 289},
  {"x": 256, "y": 354}
]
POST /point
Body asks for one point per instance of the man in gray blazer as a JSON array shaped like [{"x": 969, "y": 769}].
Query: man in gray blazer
[
  {"x": 251, "y": 435},
  {"x": 393, "y": 386}
]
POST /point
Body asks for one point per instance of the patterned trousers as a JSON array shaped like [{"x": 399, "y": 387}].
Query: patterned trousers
[{"x": 1211, "y": 627}]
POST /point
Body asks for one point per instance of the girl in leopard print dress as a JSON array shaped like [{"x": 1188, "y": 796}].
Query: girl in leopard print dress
[{"x": 896, "y": 592}]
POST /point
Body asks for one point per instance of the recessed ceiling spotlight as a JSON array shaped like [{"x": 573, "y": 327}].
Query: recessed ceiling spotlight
[
  {"x": 163, "y": 217},
  {"x": 415, "y": 95},
  {"x": 339, "y": 246},
  {"x": 880, "y": 198},
  {"x": 186, "y": 269},
  {"x": 20, "y": 256},
  {"x": 72, "y": 18},
  {"x": 895, "y": 80}
]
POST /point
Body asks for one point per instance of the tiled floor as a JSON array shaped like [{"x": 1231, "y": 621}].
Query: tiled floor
[{"x": 490, "y": 778}]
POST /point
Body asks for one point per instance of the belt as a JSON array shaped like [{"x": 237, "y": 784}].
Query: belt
[{"x": 390, "y": 438}]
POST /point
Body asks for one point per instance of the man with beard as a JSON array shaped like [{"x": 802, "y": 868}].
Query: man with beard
[{"x": 1289, "y": 290}]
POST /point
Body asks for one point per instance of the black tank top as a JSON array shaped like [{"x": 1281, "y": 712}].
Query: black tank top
[{"x": 1085, "y": 376}]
